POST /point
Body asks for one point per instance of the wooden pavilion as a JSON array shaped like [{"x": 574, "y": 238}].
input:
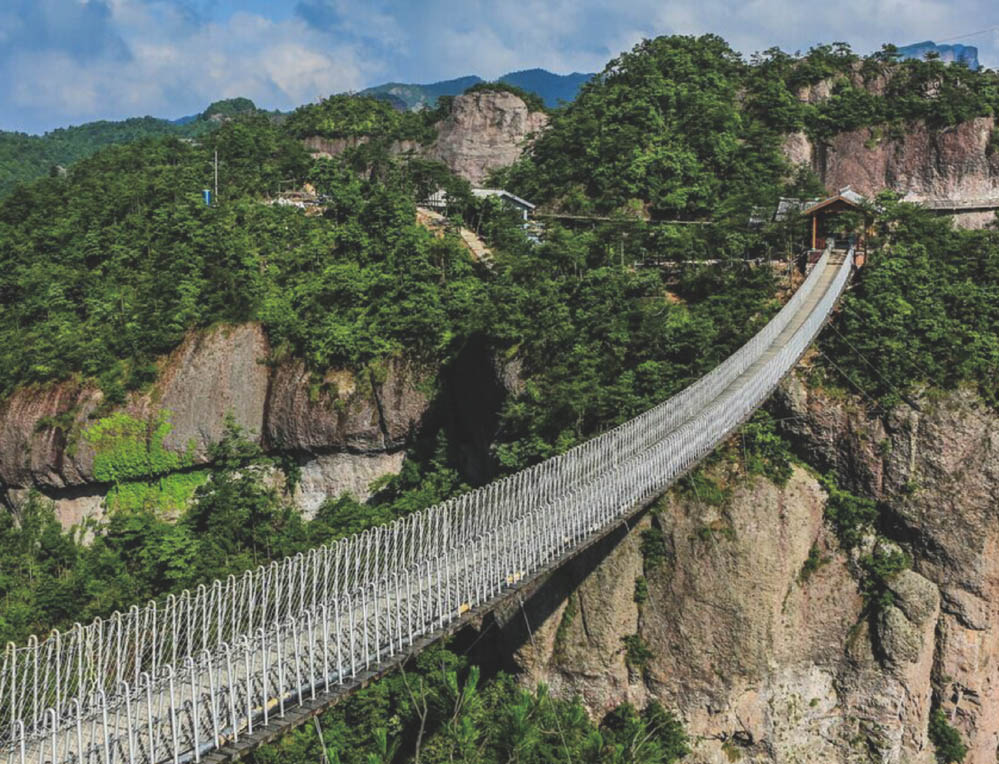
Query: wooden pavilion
[{"x": 829, "y": 225}]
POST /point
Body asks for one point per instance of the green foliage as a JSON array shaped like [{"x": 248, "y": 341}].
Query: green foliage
[
  {"x": 637, "y": 653},
  {"x": 852, "y": 517},
  {"x": 229, "y": 108},
  {"x": 104, "y": 270},
  {"x": 911, "y": 90},
  {"x": 600, "y": 343},
  {"x": 355, "y": 116},
  {"x": 765, "y": 451},
  {"x": 25, "y": 158},
  {"x": 812, "y": 563},
  {"x": 704, "y": 488},
  {"x": 855, "y": 519},
  {"x": 441, "y": 710},
  {"x": 924, "y": 310},
  {"x": 688, "y": 129},
  {"x": 880, "y": 567},
  {"x": 533, "y": 100},
  {"x": 993, "y": 145},
  {"x": 126, "y": 448},
  {"x": 641, "y": 595},
  {"x": 660, "y": 124},
  {"x": 653, "y": 548},
  {"x": 166, "y": 494},
  {"x": 950, "y": 749}
]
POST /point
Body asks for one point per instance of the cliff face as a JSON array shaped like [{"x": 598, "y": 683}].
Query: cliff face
[
  {"x": 953, "y": 164},
  {"x": 345, "y": 430},
  {"x": 936, "y": 472},
  {"x": 769, "y": 662},
  {"x": 484, "y": 131}
]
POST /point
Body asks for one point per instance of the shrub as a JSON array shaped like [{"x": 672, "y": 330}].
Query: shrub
[
  {"x": 637, "y": 652},
  {"x": 653, "y": 548},
  {"x": 641, "y": 590},
  {"x": 850, "y": 516},
  {"x": 947, "y": 740}
]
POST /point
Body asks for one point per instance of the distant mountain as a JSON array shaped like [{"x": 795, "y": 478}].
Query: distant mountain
[
  {"x": 422, "y": 96},
  {"x": 392, "y": 100},
  {"x": 966, "y": 54},
  {"x": 552, "y": 88}
]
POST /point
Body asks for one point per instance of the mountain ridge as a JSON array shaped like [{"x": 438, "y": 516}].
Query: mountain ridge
[{"x": 550, "y": 87}]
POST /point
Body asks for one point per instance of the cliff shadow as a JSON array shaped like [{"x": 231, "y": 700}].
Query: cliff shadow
[{"x": 494, "y": 643}]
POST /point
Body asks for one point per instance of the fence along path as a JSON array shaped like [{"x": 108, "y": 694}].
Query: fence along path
[{"x": 175, "y": 679}]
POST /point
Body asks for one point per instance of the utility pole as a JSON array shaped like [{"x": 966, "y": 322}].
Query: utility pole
[{"x": 216, "y": 173}]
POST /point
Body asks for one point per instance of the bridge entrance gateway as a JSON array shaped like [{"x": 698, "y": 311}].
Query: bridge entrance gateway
[{"x": 211, "y": 673}]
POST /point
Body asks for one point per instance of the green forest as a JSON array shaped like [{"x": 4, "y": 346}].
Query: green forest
[
  {"x": 24, "y": 158},
  {"x": 108, "y": 266}
]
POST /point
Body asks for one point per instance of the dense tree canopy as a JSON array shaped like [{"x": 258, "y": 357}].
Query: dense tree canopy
[
  {"x": 356, "y": 116},
  {"x": 660, "y": 126},
  {"x": 924, "y": 312}
]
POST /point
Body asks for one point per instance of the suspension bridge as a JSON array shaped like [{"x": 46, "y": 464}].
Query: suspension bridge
[{"x": 210, "y": 673}]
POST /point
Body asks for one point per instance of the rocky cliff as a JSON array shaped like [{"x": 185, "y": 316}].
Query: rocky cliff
[
  {"x": 770, "y": 659},
  {"x": 957, "y": 163},
  {"x": 485, "y": 130},
  {"x": 345, "y": 429}
]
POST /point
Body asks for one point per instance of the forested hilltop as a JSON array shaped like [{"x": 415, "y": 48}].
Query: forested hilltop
[
  {"x": 106, "y": 270},
  {"x": 24, "y": 158}
]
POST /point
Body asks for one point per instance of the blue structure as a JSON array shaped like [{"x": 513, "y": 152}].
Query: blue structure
[
  {"x": 207, "y": 195},
  {"x": 963, "y": 54}
]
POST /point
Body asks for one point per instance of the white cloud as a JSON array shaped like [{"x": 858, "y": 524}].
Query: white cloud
[
  {"x": 170, "y": 57},
  {"x": 177, "y": 66}
]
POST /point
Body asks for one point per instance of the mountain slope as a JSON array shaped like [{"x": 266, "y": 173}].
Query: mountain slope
[
  {"x": 24, "y": 157},
  {"x": 552, "y": 88},
  {"x": 423, "y": 96}
]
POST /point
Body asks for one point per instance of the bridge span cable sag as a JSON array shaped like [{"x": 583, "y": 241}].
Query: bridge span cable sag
[{"x": 208, "y": 673}]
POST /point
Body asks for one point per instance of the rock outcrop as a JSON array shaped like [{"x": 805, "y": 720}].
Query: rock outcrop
[
  {"x": 954, "y": 163},
  {"x": 485, "y": 130},
  {"x": 769, "y": 660},
  {"x": 347, "y": 430},
  {"x": 936, "y": 471},
  {"x": 762, "y": 662}
]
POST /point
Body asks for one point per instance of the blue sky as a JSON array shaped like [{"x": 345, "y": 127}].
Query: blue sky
[{"x": 70, "y": 61}]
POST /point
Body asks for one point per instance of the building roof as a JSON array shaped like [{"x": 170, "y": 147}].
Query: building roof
[
  {"x": 786, "y": 207},
  {"x": 846, "y": 194},
  {"x": 503, "y": 194}
]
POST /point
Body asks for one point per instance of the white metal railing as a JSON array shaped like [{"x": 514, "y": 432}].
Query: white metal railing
[{"x": 175, "y": 678}]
